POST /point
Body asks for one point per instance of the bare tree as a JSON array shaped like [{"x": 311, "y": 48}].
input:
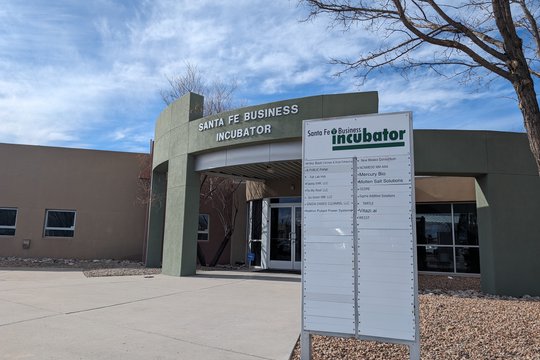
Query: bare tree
[
  {"x": 480, "y": 39},
  {"x": 190, "y": 81},
  {"x": 218, "y": 95},
  {"x": 144, "y": 192}
]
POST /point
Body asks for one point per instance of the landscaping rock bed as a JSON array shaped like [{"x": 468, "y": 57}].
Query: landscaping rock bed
[
  {"x": 90, "y": 268},
  {"x": 457, "y": 321}
]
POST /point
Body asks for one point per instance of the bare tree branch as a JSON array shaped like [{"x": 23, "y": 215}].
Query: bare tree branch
[
  {"x": 467, "y": 32},
  {"x": 448, "y": 43},
  {"x": 478, "y": 36},
  {"x": 533, "y": 25},
  {"x": 190, "y": 81},
  {"x": 218, "y": 95}
]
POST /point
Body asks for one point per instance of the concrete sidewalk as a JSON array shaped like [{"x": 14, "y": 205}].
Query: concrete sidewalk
[{"x": 48, "y": 314}]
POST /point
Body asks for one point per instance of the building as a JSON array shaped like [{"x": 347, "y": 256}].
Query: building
[
  {"x": 493, "y": 231},
  {"x": 477, "y": 195},
  {"x": 71, "y": 203},
  {"x": 87, "y": 204}
]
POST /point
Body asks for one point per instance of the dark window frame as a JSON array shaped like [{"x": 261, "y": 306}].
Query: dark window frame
[
  {"x": 204, "y": 233},
  {"x": 9, "y": 230},
  {"x": 59, "y": 231},
  {"x": 454, "y": 245}
]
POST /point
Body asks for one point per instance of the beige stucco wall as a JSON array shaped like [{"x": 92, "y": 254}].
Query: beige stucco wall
[
  {"x": 102, "y": 186},
  {"x": 444, "y": 189},
  {"x": 273, "y": 188}
]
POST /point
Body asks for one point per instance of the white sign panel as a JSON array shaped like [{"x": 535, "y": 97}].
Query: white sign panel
[
  {"x": 359, "y": 244},
  {"x": 328, "y": 231}
]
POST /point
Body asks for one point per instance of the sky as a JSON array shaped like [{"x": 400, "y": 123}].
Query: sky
[{"x": 88, "y": 74}]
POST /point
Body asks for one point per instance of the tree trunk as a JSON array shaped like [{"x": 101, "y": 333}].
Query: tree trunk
[
  {"x": 221, "y": 248},
  {"x": 520, "y": 75},
  {"x": 200, "y": 255},
  {"x": 528, "y": 104}
]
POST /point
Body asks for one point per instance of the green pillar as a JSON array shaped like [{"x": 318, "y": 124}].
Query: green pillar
[
  {"x": 509, "y": 233},
  {"x": 179, "y": 223},
  {"x": 181, "y": 218}
]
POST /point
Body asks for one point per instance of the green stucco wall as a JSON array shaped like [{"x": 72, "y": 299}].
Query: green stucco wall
[{"x": 507, "y": 197}]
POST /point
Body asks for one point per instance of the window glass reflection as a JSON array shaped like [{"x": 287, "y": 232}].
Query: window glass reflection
[
  {"x": 8, "y": 217},
  {"x": 468, "y": 260},
  {"x": 447, "y": 237},
  {"x": 465, "y": 224},
  {"x": 280, "y": 230},
  {"x": 202, "y": 233},
  {"x": 434, "y": 224},
  {"x": 60, "y": 223},
  {"x": 435, "y": 258}
]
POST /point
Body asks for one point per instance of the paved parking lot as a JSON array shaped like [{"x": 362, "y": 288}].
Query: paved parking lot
[{"x": 48, "y": 314}]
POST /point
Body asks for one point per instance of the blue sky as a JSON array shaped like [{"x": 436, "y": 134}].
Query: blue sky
[{"x": 88, "y": 73}]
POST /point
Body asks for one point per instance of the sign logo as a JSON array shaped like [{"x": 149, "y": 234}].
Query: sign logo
[{"x": 361, "y": 138}]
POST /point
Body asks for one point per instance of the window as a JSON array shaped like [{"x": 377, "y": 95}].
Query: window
[
  {"x": 256, "y": 219},
  {"x": 202, "y": 235},
  {"x": 60, "y": 223},
  {"x": 8, "y": 218},
  {"x": 447, "y": 238}
]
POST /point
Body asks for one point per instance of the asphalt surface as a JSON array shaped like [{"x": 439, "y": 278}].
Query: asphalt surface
[{"x": 61, "y": 314}]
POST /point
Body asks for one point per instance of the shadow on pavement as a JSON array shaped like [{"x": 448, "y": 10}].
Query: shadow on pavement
[{"x": 285, "y": 277}]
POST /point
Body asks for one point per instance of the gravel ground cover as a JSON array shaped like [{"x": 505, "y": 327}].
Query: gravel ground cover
[
  {"x": 90, "y": 268},
  {"x": 99, "y": 267},
  {"x": 457, "y": 321}
]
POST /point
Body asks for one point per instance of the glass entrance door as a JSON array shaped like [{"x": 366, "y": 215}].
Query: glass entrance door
[{"x": 285, "y": 237}]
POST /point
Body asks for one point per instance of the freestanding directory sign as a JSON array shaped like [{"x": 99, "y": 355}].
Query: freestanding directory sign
[{"x": 359, "y": 275}]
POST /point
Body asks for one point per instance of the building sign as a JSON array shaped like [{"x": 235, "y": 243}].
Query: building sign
[
  {"x": 249, "y": 119},
  {"x": 359, "y": 261}
]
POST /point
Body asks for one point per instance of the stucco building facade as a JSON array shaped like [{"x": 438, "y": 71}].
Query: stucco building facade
[
  {"x": 71, "y": 203},
  {"x": 263, "y": 144}
]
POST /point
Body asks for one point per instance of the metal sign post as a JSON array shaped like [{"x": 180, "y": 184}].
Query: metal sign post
[{"x": 359, "y": 275}]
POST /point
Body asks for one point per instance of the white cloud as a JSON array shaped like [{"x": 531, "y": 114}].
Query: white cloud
[{"x": 90, "y": 72}]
